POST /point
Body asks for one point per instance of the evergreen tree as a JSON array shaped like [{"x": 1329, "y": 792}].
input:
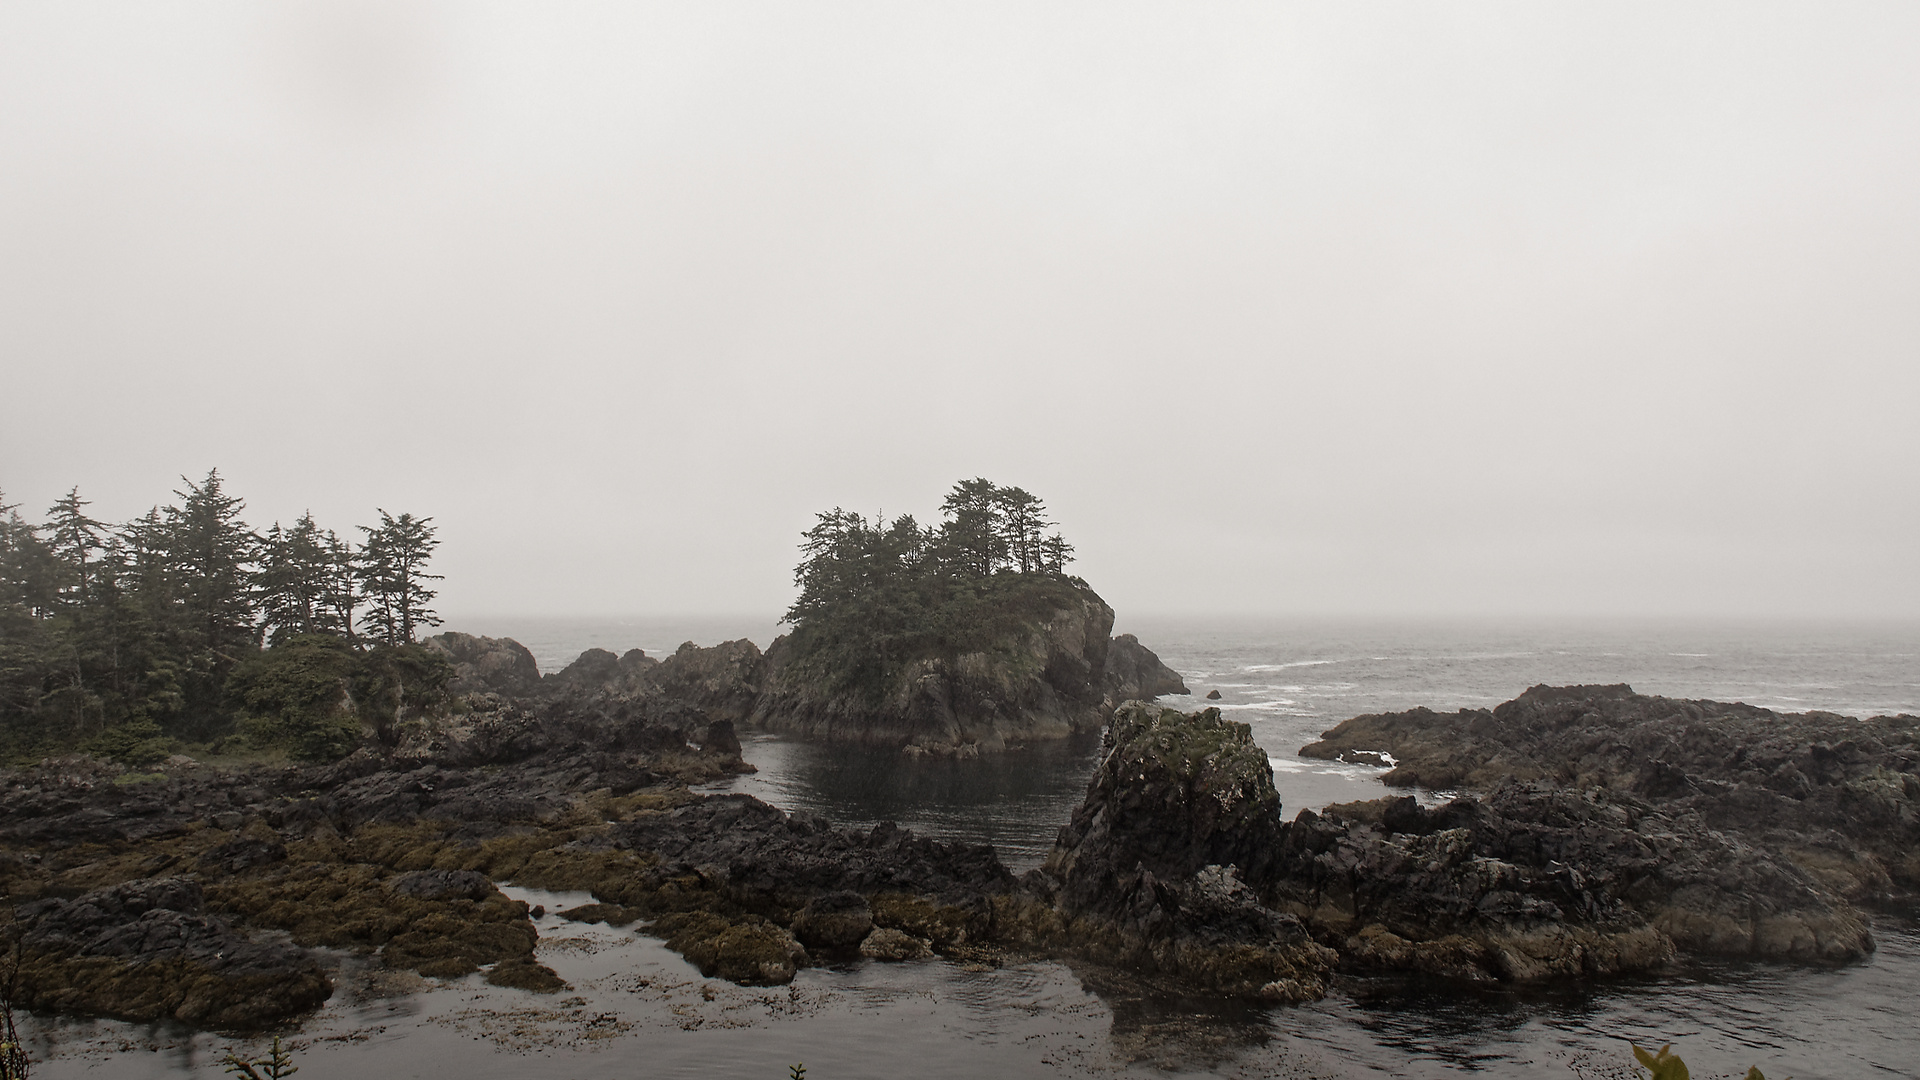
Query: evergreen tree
[
  {"x": 394, "y": 578},
  {"x": 214, "y": 556},
  {"x": 340, "y": 595},
  {"x": 296, "y": 571},
  {"x": 75, "y": 539},
  {"x": 973, "y": 539},
  {"x": 1022, "y": 521}
]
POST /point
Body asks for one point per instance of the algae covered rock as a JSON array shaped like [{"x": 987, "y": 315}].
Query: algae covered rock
[
  {"x": 886, "y": 943},
  {"x": 834, "y": 920},
  {"x": 1151, "y": 870},
  {"x": 747, "y": 949},
  {"x": 146, "y": 950}
]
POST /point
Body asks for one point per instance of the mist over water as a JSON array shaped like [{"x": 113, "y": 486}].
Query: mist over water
[{"x": 638, "y": 1008}]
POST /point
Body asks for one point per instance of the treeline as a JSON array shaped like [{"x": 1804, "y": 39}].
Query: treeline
[
  {"x": 128, "y": 638},
  {"x": 877, "y": 596}
]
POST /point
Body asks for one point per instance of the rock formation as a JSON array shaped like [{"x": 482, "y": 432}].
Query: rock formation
[
  {"x": 1838, "y": 797},
  {"x": 1152, "y": 870},
  {"x": 1134, "y": 673},
  {"x": 486, "y": 665},
  {"x": 1042, "y": 681}
]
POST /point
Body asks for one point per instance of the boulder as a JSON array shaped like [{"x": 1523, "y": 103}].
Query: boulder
[
  {"x": 834, "y": 920},
  {"x": 486, "y": 665}
]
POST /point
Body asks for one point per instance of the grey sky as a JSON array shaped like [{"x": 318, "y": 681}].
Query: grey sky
[{"x": 1407, "y": 309}]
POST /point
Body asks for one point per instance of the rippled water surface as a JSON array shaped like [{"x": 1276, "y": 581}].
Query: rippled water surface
[{"x": 638, "y": 1010}]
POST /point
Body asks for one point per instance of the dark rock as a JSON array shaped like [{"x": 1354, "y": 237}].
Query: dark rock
[
  {"x": 487, "y": 665},
  {"x": 834, "y": 920},
  {"x": 724, "y": 680},
  {"x": 1776, "y": 780},
  {"x": 145, "y": 950},
  {"x": 1213, "y": 695},
  {"x": 1152, "y": 868},
  {"x": 442, "y": 885},
  {"x": 1042, "y": 679},
  {"x": 1134, "y": 673},
  {"x": 594, "y": 669}
]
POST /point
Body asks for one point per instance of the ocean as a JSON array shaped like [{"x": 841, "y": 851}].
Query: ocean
[{"x": 637, "y": 1009}]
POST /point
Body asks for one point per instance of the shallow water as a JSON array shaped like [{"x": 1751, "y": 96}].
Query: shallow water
[{"x": 637, "y": 1009}]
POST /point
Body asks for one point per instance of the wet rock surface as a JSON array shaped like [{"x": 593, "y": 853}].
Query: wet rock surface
[
  {"x": 1134, "y": 672},
  {"x": 1152, "y": 870},
  {"x": 197, "y": 893},
  {"x": 148, "y": 950},
  {"x": 1727, "y": 829}
]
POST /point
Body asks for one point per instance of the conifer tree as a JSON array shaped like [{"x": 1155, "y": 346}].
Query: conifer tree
[
  {"x": 296, "y": 570},
  {"x": 394, "y": 578},
  {"x": 973, "y": 539},
  {"x": 75, "y": 539}
]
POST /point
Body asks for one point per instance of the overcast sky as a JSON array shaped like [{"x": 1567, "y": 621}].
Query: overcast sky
[{"x": 1421, "y": 309}]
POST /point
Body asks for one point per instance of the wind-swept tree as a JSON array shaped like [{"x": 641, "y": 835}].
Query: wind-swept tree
[
  {"x": 973, "y": 540},
  {"x": 296, "y": 569},
  {"x": 76, "y": 541},
  {"x": 393, "y": 573}
]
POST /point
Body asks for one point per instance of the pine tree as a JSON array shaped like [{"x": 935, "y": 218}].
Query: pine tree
[
  {"x": 1023, "y": 521},
  {"x": 296, "y": 571},
  {"x": 74, "y": 540},
  {"x": 973, "y": 540},
  {"x": 394, "y": 577}
]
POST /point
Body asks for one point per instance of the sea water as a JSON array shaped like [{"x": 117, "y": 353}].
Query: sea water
[{"x": 638, "y": 1010}]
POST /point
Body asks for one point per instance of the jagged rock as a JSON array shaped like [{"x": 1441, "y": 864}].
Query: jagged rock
[
  {"x": 145, "y": 950},
  {"x": 1150, "y": 869},
  {"x": 724, "y": 680},
  {"x": 487, "y": 665},
  {"x": 1134, "y": 673},
  {"x": 1837, "y": 796}
]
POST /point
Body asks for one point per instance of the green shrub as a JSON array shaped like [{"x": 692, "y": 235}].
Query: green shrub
[{"x": 138, "y": 743}]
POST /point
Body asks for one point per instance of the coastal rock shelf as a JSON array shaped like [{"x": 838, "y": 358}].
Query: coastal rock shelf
[
  {"x": 1800, "y": 815},
  {"x": 200, "y": 894}
]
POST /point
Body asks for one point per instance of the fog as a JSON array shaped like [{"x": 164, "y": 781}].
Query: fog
[{"x": 1330, "y": 310}]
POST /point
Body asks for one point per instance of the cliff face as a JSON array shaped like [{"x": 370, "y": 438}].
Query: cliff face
[{"x": 1041, "y": 681}]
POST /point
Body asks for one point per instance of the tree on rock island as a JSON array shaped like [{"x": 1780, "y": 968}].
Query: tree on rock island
[{"x": 876, "y": 596}]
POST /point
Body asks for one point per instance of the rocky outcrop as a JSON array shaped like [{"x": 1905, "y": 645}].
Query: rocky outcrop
[
  {"x": 1134, "y": 673},
  {"x": 725, "y": 679},
  {"x": 1042, "y": 681},
  {"x": 1838, "y": 797},
  {"x": 486, "y": 665},
  {"x": 1153, "y": 868},
  {"x": 147, "y": 950}
]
